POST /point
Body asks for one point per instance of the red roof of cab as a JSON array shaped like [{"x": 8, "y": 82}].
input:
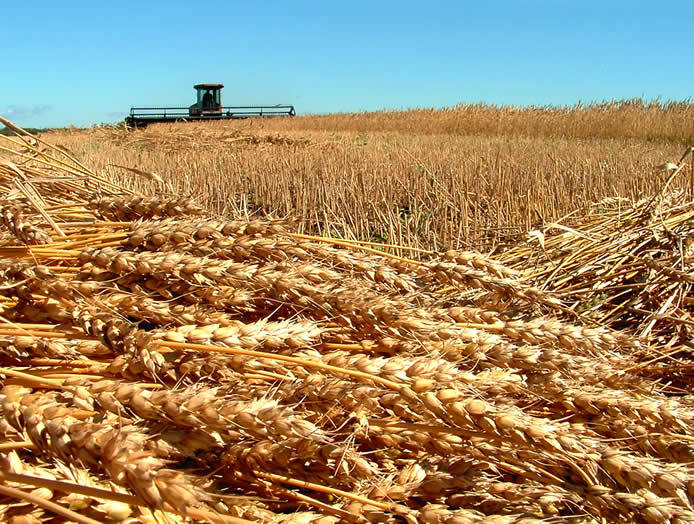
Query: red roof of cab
[{"x": 208, "y": 86}]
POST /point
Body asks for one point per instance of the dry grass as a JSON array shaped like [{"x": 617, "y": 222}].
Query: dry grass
[
  {"x": 161, "y": 364},
  {"x": 469, "y": 178}
]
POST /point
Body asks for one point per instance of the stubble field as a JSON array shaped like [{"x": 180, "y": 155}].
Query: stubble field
[{"x": 471, "y": 178}]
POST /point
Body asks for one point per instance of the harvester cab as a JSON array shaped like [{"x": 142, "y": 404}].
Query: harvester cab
[{"x": 209, "y": 100}]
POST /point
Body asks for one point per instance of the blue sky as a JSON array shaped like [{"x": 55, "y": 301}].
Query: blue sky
[{"x": 85, "y": 62}]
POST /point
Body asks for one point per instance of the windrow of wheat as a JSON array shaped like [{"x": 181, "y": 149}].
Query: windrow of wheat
[
  {"x": 628, "y": 265},
  {"x": 162, "y": 364}
]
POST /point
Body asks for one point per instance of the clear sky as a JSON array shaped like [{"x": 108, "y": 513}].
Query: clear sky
[{"x": 87, "y": 62}]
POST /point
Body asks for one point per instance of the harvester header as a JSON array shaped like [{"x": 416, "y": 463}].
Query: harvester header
[{"x": 208, "y": 106}]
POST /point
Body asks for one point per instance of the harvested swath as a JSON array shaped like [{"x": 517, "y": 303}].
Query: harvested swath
[
  {"x": 172, "y": 141},
  {"x": 626, "y": 265},
  {"x": 160, "y": 363}
]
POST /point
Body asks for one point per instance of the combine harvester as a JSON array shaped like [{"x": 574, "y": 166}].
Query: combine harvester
[{"x": 208, "y": 107}]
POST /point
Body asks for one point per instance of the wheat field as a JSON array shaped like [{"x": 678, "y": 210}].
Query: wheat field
[{"x": 269, "y": 321}]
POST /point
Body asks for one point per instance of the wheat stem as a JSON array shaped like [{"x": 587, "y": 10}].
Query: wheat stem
[{"x": 46, "y": 504}]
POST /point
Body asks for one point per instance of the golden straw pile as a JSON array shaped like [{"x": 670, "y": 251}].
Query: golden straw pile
[
  {"x": 630, "y": 266},
  {"x": 161, "y": 365}
]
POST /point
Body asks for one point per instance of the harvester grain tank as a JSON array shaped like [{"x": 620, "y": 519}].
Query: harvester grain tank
[{"x": 208, "y": 106}]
